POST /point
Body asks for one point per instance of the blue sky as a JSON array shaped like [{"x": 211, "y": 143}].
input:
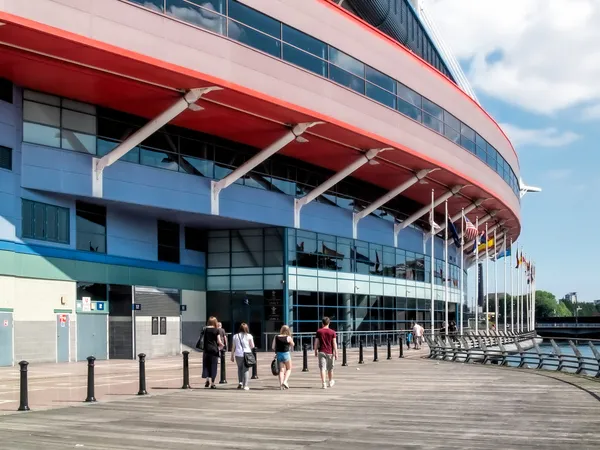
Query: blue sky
[{"x": 535, "y": 66}]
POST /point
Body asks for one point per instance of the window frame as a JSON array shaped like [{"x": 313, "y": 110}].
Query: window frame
[{"x": 33, "y": 224}]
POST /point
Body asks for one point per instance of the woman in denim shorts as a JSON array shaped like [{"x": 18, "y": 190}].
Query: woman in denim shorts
[{"x": 283, "y": 344}]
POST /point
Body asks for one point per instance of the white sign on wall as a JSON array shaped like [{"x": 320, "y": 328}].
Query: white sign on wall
[{"x": 86, "y": 304}]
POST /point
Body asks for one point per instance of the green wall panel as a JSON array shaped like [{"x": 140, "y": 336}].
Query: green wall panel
[{"x": 34, "y": 266}]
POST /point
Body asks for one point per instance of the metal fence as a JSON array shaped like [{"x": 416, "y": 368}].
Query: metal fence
[{"x": 527, "y": 350}]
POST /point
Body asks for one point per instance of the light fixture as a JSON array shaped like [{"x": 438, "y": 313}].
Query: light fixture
[
  {"x": 2, "y": 24},
  {"x": 423, "y": 181},
  {"x": 194, "y": 107},
  {"x": 301, "y": 140},
  {"x": 373, "y": 162}
]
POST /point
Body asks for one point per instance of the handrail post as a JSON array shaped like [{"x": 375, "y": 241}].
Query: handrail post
[
  {"x": 186, "y": 370},
  {"x": 142, "y": 390},
  {"x": 255, "y": 366},
  {"x": 90, "y": 380},
  {"x": 305, "y": 358},
  {"x": 23, "y": 391},
  {"x": 360, "y": 351},
  {"x": 344, "y": 355}
]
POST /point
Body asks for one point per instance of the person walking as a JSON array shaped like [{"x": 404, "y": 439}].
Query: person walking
[
  {"x": 326, "y": 351},
  {"x": 210, "y": 357},
  {"x": 223, "y": 335},
  {"x": 242, "y": 343},
  {"x": 417, "y": 335},
  {"x": 283, "y": 344}
]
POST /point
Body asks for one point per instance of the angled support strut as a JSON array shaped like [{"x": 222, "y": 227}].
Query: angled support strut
[{"x": 187, "y": 101}]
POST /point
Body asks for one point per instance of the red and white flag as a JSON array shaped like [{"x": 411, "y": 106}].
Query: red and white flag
[{"x": 470, "y": 230}]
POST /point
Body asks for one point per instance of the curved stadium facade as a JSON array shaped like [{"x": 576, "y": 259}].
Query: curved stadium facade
[{"x": 264, "y": 161}]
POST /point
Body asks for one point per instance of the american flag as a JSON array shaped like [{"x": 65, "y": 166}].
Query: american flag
[{"x": 470, "y": 230}]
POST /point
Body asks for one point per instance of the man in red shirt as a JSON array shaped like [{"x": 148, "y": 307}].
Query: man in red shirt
[{"x": 326, "y": 351}]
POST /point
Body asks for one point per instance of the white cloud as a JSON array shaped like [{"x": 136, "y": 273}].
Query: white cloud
[
  {"x": 540, "y": 137},
  {"x": 591, "y": 112},
  {"x": 541, "y": 55}
]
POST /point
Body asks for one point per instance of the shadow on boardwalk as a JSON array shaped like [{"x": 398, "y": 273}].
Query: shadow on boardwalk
[{"x": 409, "y": 403}]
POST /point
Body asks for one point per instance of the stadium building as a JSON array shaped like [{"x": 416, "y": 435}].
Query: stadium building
[{"x": 268, "y": 161}]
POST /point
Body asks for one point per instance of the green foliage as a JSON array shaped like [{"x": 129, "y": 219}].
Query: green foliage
[
  {"x": 545, "y": 304},
  {"x": 562, "y": 310}
]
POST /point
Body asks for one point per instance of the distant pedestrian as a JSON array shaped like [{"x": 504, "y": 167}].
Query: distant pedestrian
[
  {"x": 326, "y": 351},
  {"x": 417, "y": 335},
  {"x": 282, "y": 345},
  {"x": 223, "y": 335},
  {"x": 409, "y": 337},
  {"x": 212, "y": 346},
  {"x": 242, "y": 344}
]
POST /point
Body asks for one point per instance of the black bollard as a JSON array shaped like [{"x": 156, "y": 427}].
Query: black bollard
[
  {"x": 360, "y": 352},
  {"x": 344, "y": 356},
  {"x": 90, "y": 382},
  {"x": 305, "y": 358},
  {"x": 254, "y": 367},
  {"x": 401, "y": 346},
  {"x": 24, "y": 397},
  {"x": 389, "y": 348},
  {"x": 223, "y": 379},
  {"x": 186, "y": 370},
  {"x": 375, "y": 358},
  {"x": 142, "y": 390}
]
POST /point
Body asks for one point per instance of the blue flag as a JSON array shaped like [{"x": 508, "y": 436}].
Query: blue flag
[
  {"x": 453, "y": 233},
  {"x": 503, "y": 254}
]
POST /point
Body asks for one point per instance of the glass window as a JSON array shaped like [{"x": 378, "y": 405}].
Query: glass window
[
  {"x": 481, "y": 154},
  {"x": 452, "y": 134},
  {"x": 45, "y": 222},
  {"x": 6, "y": 90},
  {"x": 5, "y": 158},
  {"x": 433, "y": 123},
  {"x": 304, "y": 60},
  {"x": 346, "y": 62},
  {"x": 347, "y": 79},
  {"x": 409, "y": 95},
  {"x": 77, "y": 121},
  {"x": 168, "y": 241},
  {"x": 304, "y": 42},
  {"x": 409, "y": 110},
  {"x": 41, "y": 134},
  {"x": 162, "y": 160},
  {"x": 467, "y": 132},
  {"x": 78, "y": 142},
  {"x": 381, "y": 95},
  {"x": 255, "y": 39},
  {"x": 381, "y": 80},
  {"x": 91, "y": 227},
  {"x": 42, "y": 114},
  {"x": 254, "y": 19},
  {"x": 41, "y": 98},
  {"x": 155, "y": 5},
  {"x": 195, "y": 239},
  {"x": 479, "y": 141},
  {"x": 104, "y": 146},
  {"x": 433, "y": 109},
  {"x": 451, "y": 121},
  {"x": 468, "y": 144},
  {"x": 78, "y": 106},
  {"x": 195, "y": 166},
  {"x": 202, "y": 17}
]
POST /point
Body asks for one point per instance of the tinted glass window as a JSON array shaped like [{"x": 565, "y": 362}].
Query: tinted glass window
[
  {"x": 381, "y": 95},
  {"x": 433, "y": 123},
  {"x": 467, "y": 132},
  {"x": 409, "y": 110},
  {"x": 304, "y": 41},
  {"x": 168, "y": 241},
  {"x": 346, "y": 62},
  {"x": 5, "y": 158},
  {"x": 409, "y": 95},
  {"x": 451, "y": 121},
  {"x": 305, "y": 60},
  {"x": 254, "y": 19},
  {"x": 381, "y": 80},
  {"x": 154, "y": 5},
  {"x": 254, "y": 39},
  {"x": 91, "y": 227},
  {"x": 6, "y": 90},
  {"x": 432, "y": 109},
  {"x": 204, "y": 17},
  {"x": 45, "y": 222},
  {"x": 347, "y": 79}
]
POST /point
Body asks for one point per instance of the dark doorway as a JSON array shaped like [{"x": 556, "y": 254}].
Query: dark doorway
[{"x": 120, "y": 323}]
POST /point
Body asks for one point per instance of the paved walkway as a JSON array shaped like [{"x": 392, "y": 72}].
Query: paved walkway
[{"x": 410, "y": 403}]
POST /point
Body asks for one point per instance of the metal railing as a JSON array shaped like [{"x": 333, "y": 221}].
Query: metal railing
[
  {"x": 351, "y": 338},
  {"x": 568, "y": 325},
  {"x": 527, "y": 350}
]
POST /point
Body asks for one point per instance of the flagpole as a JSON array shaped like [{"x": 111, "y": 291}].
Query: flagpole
[
  {"x": 533, "y": 294},
  {"x": 512, "y": 293},
  {"x": 462, "y": 257},
  {"x": 519, "y": 293},
  {"x": 445, "y": 278},
  {"x": 432, "y": 267},
  {"x": 505, "y": 261},
  {"x": 523, "y": 295},
  {"x": 477, "y": 239},
  {"x": 496, "y": 310},
  {"x": 487, "y": 282}
]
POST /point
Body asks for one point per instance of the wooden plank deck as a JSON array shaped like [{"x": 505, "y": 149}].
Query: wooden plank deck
[{"x": 409, "y": 404}]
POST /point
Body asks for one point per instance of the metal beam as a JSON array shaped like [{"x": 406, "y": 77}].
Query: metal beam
[
  {"x": 185, "y": 102},
  {"x": 421, "y": 212},
  {"x": 476, "y": 204},
  {"x": 356, "y": 217},
  {"x": 217, "y": 186},
  {"x": 333, "y": 180}
]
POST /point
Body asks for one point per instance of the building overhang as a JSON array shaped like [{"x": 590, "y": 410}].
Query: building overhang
[{"x": 40, "y": 57}]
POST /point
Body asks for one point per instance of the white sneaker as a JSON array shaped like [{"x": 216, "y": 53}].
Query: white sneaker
[
  {"x": 324, "y": 386},
  {"x": 332, "y": 383},
  {"x": 246, "y": 388}
]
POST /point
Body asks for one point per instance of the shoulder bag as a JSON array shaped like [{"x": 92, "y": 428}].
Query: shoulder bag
[
  {"x": 200, "y": 343},
  {"x": 249, "y": 358}
]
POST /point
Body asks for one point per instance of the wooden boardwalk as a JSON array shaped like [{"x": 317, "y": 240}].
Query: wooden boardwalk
[{"x": 410, "y": 404}]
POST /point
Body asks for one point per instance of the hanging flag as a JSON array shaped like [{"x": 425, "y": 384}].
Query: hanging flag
[
  {"x": 434, "y": 226},
  {"x": 478, "y": 241},
  {"x": 453, "y": 233},
  {"x": 518, "y": 260},
  {"x": 470, "y": 230},
  {"x": 490, "y": 244},
  {"x": 503, "y": 254}
]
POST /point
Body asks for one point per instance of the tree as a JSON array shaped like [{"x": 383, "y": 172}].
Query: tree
[
  {"x": 545, "y": 304},
  {"x": 562, "y": 310}
]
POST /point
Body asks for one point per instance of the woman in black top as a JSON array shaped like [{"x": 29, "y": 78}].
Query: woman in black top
[{"x": 210, "y": 358}]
